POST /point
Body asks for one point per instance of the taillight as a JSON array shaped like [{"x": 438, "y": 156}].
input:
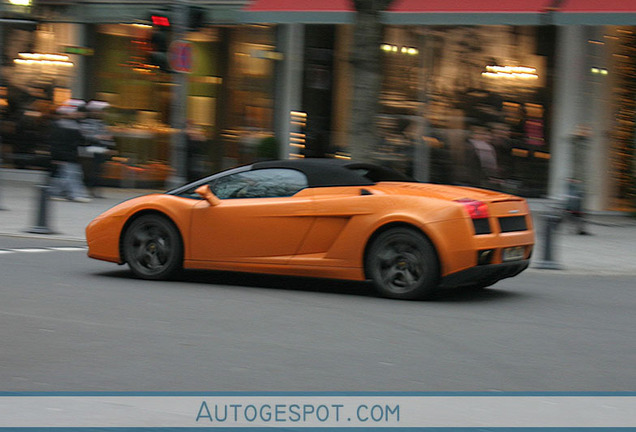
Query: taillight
[{"x": 476, "y": 209}]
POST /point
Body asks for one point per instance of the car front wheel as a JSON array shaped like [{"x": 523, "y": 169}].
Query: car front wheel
[
  {"x": 152, "y": 247},
  {"x": 403, "y": 264}
]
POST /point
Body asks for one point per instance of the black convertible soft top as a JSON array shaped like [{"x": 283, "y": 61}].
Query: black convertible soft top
[
  {"x": 319, "y": 172},
  {"x": 336, "y": 172}
]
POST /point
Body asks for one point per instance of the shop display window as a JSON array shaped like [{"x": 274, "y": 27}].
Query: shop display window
[{"x": 477, "y": 95}]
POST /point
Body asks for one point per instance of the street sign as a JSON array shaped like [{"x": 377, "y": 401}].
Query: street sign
[
  {"x": 79, "y": 50},
  {"x": 180, "y": 56}
]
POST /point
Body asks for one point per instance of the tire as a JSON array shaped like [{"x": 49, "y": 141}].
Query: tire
[
  {"x": 403, "y": 264},
  {"x": 153, "y": 248}
]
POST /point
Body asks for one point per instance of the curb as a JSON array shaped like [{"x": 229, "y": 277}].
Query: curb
[
  {"x": 11, "y": 175},
  {"x": 571, "y": 271}
]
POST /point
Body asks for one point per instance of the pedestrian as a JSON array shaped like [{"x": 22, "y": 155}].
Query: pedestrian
[
  {"x": 574, "y": 205},
  {"x": 28, "y": 136},
  {"x": 481, "y": 157},
  {"x": 195, "y": 151},
  {"x": 99, "y": 145},
  {"x": 66, "y": 139}
]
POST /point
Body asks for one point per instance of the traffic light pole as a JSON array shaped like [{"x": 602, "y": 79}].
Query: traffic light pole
[{"x": 178, "y": 112}]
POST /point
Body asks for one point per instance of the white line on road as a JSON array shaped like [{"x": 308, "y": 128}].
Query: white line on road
[{"x": 40, "y": 250}]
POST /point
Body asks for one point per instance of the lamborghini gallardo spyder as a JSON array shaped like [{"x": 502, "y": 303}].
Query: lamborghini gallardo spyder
[{"x": 322, "y": 218}]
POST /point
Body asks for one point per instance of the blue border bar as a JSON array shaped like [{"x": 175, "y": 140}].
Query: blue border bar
[
  {"x": 322, "y": 429},
  {"x": 322, "y": 393},
  {"x": 594, "y": 18}
]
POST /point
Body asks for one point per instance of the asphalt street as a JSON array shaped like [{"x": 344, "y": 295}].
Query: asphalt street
[{"x": 74, "y": 324}]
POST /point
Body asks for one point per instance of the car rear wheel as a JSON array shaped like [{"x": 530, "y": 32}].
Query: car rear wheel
[
  {"x": 152, "y": 247},
  {"x": 402, "y": 264}
]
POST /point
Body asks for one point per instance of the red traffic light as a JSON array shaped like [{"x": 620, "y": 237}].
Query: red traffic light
[{"x": 162, "y": 21}]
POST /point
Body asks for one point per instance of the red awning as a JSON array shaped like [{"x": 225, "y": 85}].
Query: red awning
[
  {"x": 469, "y": 6},
  {"x": 441, "y": 12},
  {"x": 299, "y": 11},
  {"x": 450, "y": 12},
  {"x": 300, "y": 6}
]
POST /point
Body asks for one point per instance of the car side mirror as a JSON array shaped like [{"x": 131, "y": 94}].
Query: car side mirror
[{"x": 206, "y": 193}]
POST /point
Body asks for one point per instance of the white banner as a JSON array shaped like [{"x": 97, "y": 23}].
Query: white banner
[{"x": 337, "y": 411}]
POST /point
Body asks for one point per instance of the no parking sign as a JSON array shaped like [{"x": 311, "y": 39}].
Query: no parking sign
[{"x": 180, "y": 56}]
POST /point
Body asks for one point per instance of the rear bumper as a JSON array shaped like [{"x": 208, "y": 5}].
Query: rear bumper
[{"x": 484, "y": 274}]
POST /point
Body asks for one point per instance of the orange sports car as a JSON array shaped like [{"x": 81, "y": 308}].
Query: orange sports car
[{"x": 322, "y": 218}]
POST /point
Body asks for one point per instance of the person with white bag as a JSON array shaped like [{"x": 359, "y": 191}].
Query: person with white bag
[{"x": 99, "y": 145}]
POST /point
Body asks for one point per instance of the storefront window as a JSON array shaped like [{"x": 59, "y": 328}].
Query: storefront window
[
  {"x": 248, "y": 122},
  {"x": 229, "y": 99},
  {"x": 623, "y": 149},
  {"x": 34, "y": 75},
  {"x": 141, "y": 97},
  {"x": 478, "y": 98}
]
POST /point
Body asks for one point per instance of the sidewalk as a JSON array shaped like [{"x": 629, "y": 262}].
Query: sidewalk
[
  {"x": 19, "y": 197},
  {"x": 611, "y": 249}
]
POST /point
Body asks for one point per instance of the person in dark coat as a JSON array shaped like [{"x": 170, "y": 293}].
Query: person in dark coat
[
  {"x": 66, "y": 138},
  {"x": 480, "y": 157},
  {"x": 28, "y": 137}
]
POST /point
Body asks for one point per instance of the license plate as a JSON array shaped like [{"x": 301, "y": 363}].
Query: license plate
[{"x": 513, "y": 254}]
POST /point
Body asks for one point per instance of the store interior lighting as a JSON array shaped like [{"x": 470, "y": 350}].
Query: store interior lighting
[
  {"x": 599, "y": 71},
  {"x": 297, "y": 137},
  {"x": 389, "y": 48},
  {"x": 510, "y": 72},
  {"x": 43, "y": 59}
]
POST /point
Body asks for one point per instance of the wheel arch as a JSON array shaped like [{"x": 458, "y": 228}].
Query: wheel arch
[
  {"x": 136, "y": 216},
  {"x": 397, "y": 224}
]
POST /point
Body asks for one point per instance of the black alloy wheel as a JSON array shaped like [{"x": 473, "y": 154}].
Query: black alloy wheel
[
  {"x": 403, "y": 264},
  {"x": 152, "y": 247}
]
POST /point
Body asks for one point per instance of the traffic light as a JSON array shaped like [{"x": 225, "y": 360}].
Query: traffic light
[
  {"x": 160, "y": 40},
  {"x": 196, "y": 17},
  {"x": 160, "y": 20}
]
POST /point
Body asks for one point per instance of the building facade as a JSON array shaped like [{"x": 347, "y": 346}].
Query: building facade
[{"x": 515, "y": 104}]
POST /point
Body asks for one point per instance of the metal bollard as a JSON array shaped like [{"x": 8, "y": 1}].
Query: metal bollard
[
  {"x": 41, "y": 223},
  {"x": 550, "y": 223},
  {"x": 1, "y": 206}
]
